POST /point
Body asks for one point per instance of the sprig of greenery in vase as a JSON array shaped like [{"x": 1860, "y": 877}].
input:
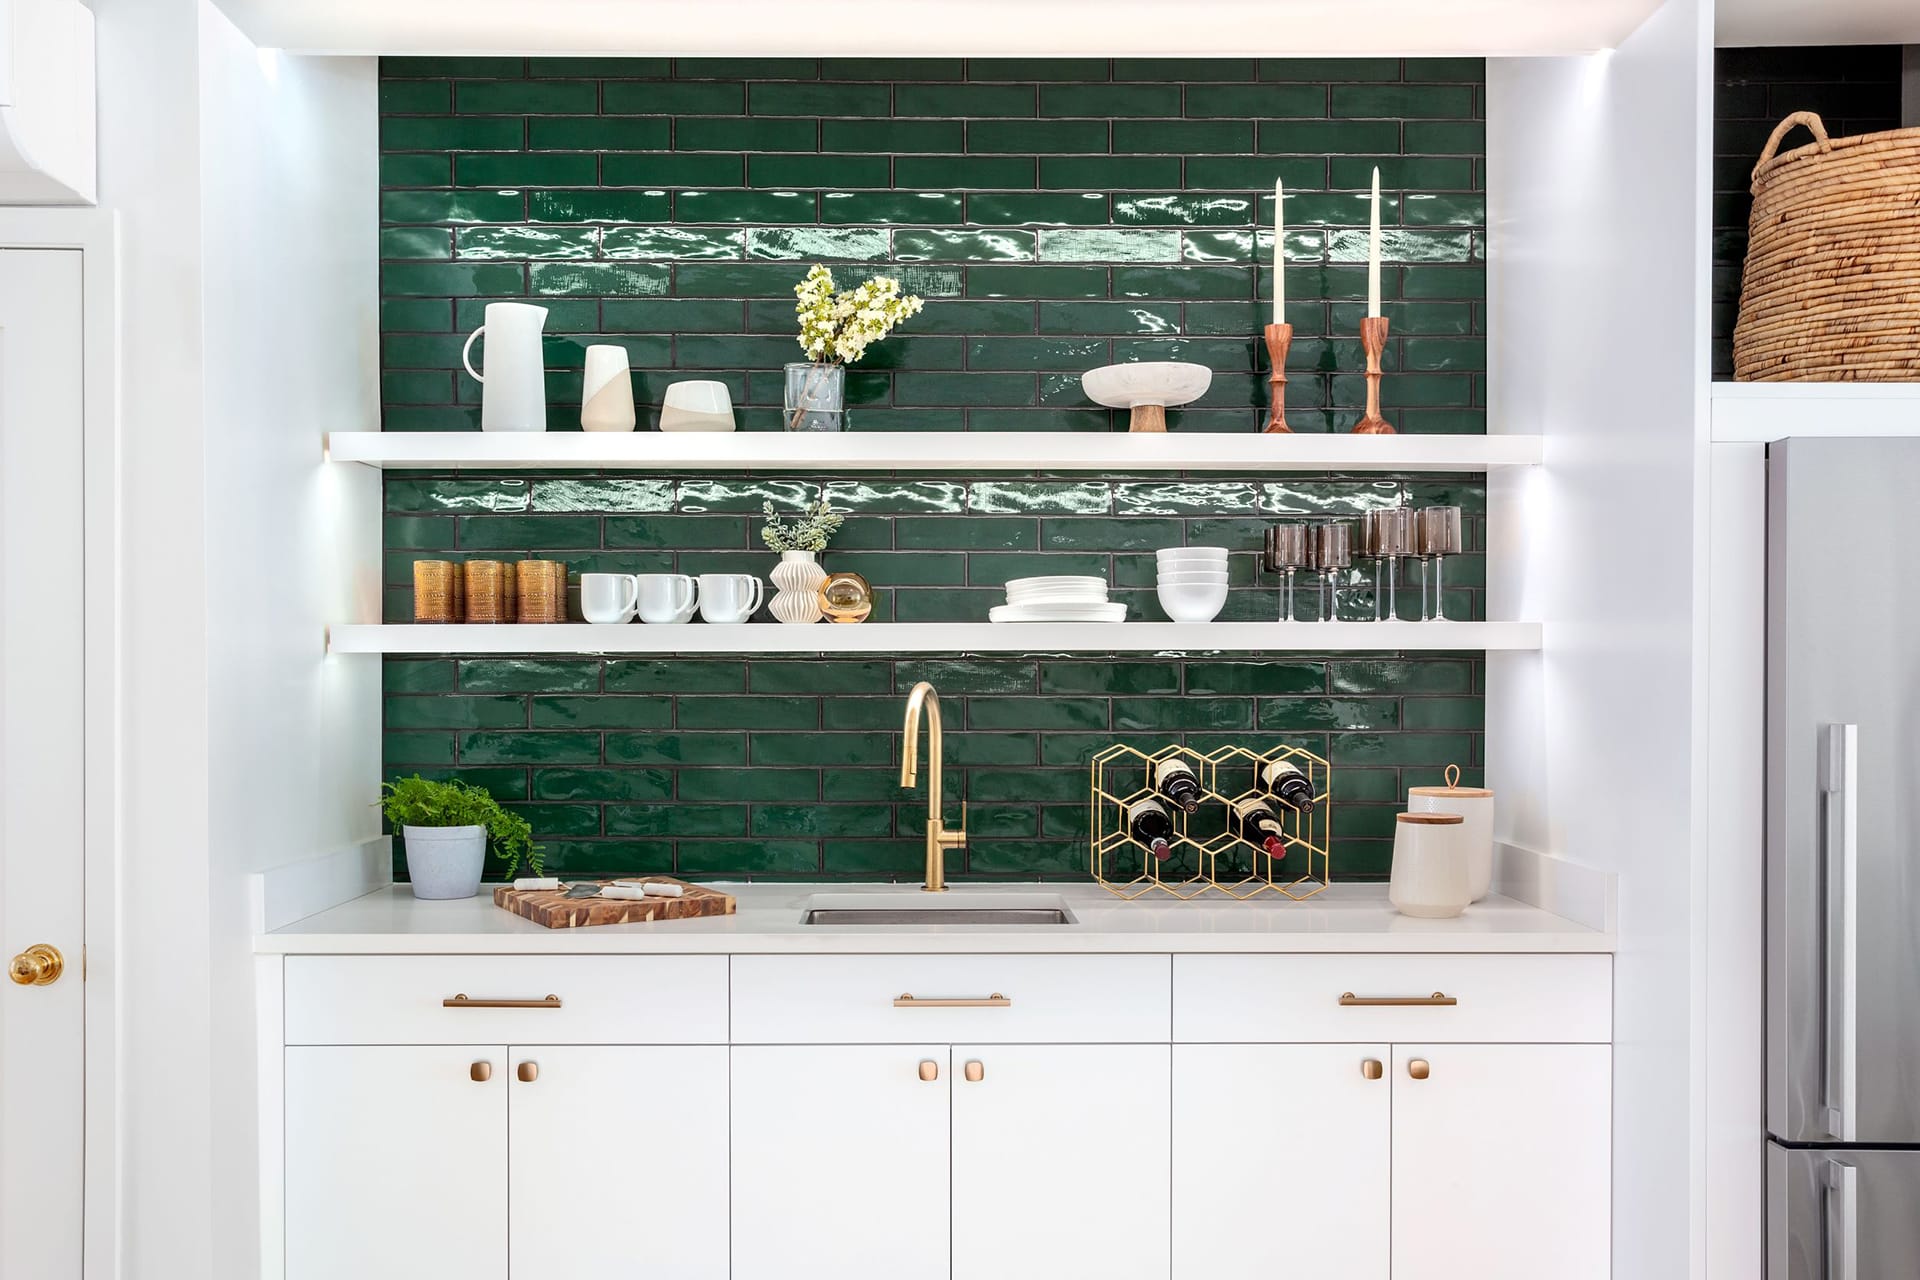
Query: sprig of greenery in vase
[
  {"x": 810, "y": 530},
  {"x": 837, "y": 326}
]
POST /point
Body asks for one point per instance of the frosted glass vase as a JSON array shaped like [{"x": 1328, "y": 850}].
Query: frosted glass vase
[
  {"x": 797, "y": 580},
  {"x": 816, "y": 396}
]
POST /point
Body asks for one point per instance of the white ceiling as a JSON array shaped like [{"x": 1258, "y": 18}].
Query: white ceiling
[
  {"x": 1739, "y": 23},
  {"x": 984, "y": 28}
]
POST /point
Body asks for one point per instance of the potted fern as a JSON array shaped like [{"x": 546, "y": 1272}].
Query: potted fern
[
  {"x": 448, "y": 827},
  {"x": 798, "y": 577}
]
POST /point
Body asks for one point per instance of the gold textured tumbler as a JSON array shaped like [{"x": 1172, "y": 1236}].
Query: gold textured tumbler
[
  {"x": 436, "y": 591},
  {"x": 542, "y": 591}
]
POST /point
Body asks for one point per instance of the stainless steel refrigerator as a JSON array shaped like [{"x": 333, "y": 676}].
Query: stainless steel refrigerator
[{"x": 1843, "y": 860}]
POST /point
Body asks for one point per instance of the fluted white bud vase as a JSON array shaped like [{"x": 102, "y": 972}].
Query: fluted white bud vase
[{"x": 797, "y": 580}]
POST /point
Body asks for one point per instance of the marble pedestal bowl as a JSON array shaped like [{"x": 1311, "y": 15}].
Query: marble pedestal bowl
[{"x": 1149, "y": 388}]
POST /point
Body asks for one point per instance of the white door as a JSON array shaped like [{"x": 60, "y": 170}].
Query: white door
[
  {"x": 396, "y": 1162},
  {"x": 42, "y": 764},
  {"x": 1060, "y": 1161},
  {"x": 1282, "y": 1161},
  {"x": 840, "y": 1162},
  {"x": 1501, "y": 1161},
  {"x": 619, "y": 1162}
]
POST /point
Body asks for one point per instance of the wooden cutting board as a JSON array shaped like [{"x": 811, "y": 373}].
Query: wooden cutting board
[{"x": 553, "y": 909}]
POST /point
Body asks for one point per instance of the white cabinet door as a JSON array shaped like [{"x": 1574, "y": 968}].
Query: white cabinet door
[
  {"x": 396, "y": 1162},
  {"x": 619, "y": 1165},
  {"x": 1281, "y": 1161},
  {"x": 1060, "y": 1161},
  {"x": 840, "y": 1162},
  {"x": 1501, "y": 1157}
]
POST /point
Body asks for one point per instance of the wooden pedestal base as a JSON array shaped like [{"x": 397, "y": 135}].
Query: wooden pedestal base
[
  {"x": 1148, "y": 417},
  {"x": 1279, "y": 339},
  {"x": 1373, "y": 338}
]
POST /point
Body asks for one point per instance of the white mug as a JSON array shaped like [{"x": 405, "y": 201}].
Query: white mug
[
  {"x": 696, "y": 405},
  {"x": 729, "y": 597},
  {"x": 513, "y": 392},
  {"x": 606, "y": 390},
  {"x": 1429, "y": 866},
  {"x": 1475, "y": 807},
  {"x": 666, "y": 597},
  {"x": 608, "y": 597}
]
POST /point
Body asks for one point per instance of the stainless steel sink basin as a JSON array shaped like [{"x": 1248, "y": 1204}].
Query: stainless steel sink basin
[{"x": 898, "y": 909}]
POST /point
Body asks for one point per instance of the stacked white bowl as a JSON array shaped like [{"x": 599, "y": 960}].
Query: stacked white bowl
[
  {"x": 1193, "y": 582},
  {"x": 1058, "y": 598}
]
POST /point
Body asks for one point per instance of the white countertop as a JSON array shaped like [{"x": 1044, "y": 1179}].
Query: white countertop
[{"x": 1345, "y": 917}]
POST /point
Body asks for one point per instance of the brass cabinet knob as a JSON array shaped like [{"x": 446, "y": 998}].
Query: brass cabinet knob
[
  {"x": 529, "y": 1072},
  {"x": 481, "y": 1072},
  {"x": 1372, "y": 1069},
  {"x": 1417, "y": 1068},
  {"x": 38, "y": 966},
  {"x": 929, "y": 1070},
  {"x": 975, "y": 1073}
]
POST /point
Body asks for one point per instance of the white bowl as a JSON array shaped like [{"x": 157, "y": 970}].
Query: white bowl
[
  {"x": 1192, "y": 601},
  {"x": 1185, "y": 553},
  {"x": 1056, "y": 581},
  {"x": 1184, "y": 579},
  {"x": 1192, "y": 566}
]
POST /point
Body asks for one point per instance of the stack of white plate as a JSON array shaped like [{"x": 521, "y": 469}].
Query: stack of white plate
[
  {"x": 1193, "y": 582},
  {"x": 1063, "y": 598}
]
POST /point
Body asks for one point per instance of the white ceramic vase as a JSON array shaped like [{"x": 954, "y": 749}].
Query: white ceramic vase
[
  {"x": 606, "y": 390},
  {"x": 797, "y": 580}
]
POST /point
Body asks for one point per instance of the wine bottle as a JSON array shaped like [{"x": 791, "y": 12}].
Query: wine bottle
[
  {"x": 1253, "y": 820},
  {"x": 1286, "y": 782},
  {"x": 1147, "y": 822},
  {"x": 1173, "y": 778}
]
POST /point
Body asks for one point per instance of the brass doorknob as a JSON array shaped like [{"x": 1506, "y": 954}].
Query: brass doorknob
[
  {"x": 1417, "y": 1068},
  {"x": 975, "y": 1073},
  {"x": 37, "y": 966},
  {"x": 529, "y": 1072},
  {"x": 1371, "y": 1069}
]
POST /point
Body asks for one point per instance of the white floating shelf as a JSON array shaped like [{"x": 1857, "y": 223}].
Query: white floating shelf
[
  {"x": 1759, "y": 412},
  {"x": 935, "y": 637},
  {"x": 925, "y": 451}
]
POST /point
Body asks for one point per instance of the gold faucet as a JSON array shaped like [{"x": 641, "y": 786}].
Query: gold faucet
[{"x": 939, "y": 839}]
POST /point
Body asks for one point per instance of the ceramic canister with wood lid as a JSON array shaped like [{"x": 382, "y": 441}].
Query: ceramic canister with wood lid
[
  {"x": 1475, "y": 805},
  {"x": 1429, "y": 866}
]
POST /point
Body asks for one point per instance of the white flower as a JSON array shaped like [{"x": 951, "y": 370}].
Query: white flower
[{"x": 846, "y": 323}]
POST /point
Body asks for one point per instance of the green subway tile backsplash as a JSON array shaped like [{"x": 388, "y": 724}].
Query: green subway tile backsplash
[{"x": 648, "y": 199}]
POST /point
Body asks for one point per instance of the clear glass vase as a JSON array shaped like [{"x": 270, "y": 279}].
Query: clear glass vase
[{"x": 816, "y": 397}]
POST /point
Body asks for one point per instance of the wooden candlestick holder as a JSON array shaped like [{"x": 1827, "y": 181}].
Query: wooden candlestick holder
[
  {"x": 1373, "y": 337},
  {"x": 1279, "y": 339}
]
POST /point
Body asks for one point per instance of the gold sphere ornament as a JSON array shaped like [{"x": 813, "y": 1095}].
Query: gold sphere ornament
[{"x": 846, "y": 597}]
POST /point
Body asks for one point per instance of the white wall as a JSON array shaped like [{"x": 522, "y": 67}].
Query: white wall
[
  {"x": 289, "y": 233},
  {"x": 1596, "y": 301}
]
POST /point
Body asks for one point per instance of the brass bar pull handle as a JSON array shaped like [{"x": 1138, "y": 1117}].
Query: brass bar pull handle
[
  {"x": 907, "y": 1000},
  {"x": 1348, "y": 1000},
  {"x": 465, "y": 1001}
]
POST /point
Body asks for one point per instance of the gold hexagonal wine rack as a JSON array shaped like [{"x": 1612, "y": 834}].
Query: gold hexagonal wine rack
[{"x": 1206, "y": 855}]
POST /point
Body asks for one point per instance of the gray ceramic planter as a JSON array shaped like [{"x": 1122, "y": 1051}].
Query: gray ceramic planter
[{"x": 445, "y": 862}]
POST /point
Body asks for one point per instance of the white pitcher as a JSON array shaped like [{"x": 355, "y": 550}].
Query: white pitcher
[{"x": 514, "y": 390}]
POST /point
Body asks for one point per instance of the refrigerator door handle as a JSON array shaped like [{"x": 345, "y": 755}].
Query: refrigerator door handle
[
  {"x": 1843, "y": 1220},
  {"x": 1839, "y": 781}
]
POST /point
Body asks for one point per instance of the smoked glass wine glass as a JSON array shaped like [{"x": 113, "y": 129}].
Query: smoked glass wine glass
[
  {"x": 1331, "y": 551},
  {"x": 1438, "y": 537},
  {"x": 1286, "y": 551},
  {"x": 1393, "y": 539}
]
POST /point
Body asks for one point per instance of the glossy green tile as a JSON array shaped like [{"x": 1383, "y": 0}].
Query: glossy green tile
[
  {"x": 529, "y": 747},
  {"x": 1439, "y": 173},
  {"x": 672, "y": 315},
  {"x": 892, "y": 137},
  {"x": 408, "y": 97},
  {"x": 528, "y": 532},
  {"x": 958, "y": 171},
  {"x": 810, "y": 170},
  {"x": 1183, "y": 137},
  {"x": 1040, "y": 208},
  {"x": 1165, "y": 714},
  {"x": 1037, "y": 69},
  {"x": 529, "y": 675},
  {"x": 673, "y": 169},
  {"x": 1026, "y": 786},
  {"x": 1439, "y": 137},
  {"x": 676, "y": 532},
  {"x": 413, "y": 749},
  {"x": 527, "y": 242},
  {"x": 761, "y": 857},
  {"x": 1073, "y": 676},
  {"x": 1111, "y": 173},
  {"x": 561, "y": 711},
  {"x": 753, "y": 786},
  {"x": 1445, "y": 713},
  {"x": 451, "y": 206},
  {"x": 789, "y": 712},
  {"x": 1322, "y": 137},
  {"x": 1244, "y": 173},
  {"x": 1044, "y": 282},
  {"x": 651, "y": 97},
  {"x": 403, "y": 170},
  {"x": 1107, "y": 101},
  {"x": 1296, "y": 715},
  {"x": 918, "y": 70},
  {"x": 818, "y": 99},
  {"x": 795, "y": 244},
  {"x": 676, "y": 820},
  {"x": 1257, "y": 101},
  {"x": 455, "y": 713},
  {"x": 964, "y": 101},
  {"x": 676, "y": 749},
  {"x": 1109, "y": 244},
  {"x": 745, "y": 206},
  {"x": 896, "y": 496},
  {"x": 1164, "y": 282},
  {"x": 453, "y": 279},
  {"x": 1183, "y": 209},
  {"x": 1402, "y": 101},
  {"x": 911, "y": 388},
  {"x": 414, "y": 313},
  {"x": 1037, "y": 353},
  {"x": 746, "y": 68},
  {"x": 451, "y": 133},
  {"x": 953, "y": 676},
  {"x": 822, "y": 820},
  {"x": 599, "y": 278},
  {"x": 730, "y": 133},
  {"x": 522, "y": 97},
  {"x": 525, "y": 169},
  {"x": 922, "y": 245},
  {"x": 418, "y": 533},
  {"x": 883, "y": 207},
  {"x": 598, "y": 133}
]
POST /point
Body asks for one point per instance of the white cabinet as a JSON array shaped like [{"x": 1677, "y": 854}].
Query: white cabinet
[
  {"x": 1501, "y": 1155},
  {"x": 619, "y": 1162},
  {"x": 1060, "y": 1161},
  {"x": 396, "y": 1162},
  {"x": 840, "y": 1162},
  {"x": 1281, "y": 1158}
]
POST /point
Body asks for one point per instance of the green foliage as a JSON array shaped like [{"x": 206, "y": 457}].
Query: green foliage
[
  {"x": 417, "y": 802},
  {"x": 810, "y": 531}
]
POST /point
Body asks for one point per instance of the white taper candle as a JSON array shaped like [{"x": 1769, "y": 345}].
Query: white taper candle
[
  {"x": 1373, "y": 250},
  {"x": 1279, "y": 255}
]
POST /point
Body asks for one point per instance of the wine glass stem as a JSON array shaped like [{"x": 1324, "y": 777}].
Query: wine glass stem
[
  {"x": 1286, "y": 599},
  {"x": 1439, "y": 594},
  {"x": 1426, "y": 611},
  {"x": 1376, "y": 588}
]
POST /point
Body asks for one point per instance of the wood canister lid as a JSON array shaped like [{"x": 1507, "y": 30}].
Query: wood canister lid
[
  {"x": 1453, "y": 788},
  {"x": 1430, "y": 819}
]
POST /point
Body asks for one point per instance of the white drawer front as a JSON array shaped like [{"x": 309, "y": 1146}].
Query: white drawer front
[
  {"x": 602, "y": 999},
  {"x": 1297, "y": 998},
  {"x": 1058, "y": 999}
]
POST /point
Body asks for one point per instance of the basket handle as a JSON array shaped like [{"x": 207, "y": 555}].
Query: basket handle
[{"x": 1810, "y": 119}]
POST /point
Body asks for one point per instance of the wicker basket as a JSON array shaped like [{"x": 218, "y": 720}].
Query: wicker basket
[{"x": 1831, "y": 290}]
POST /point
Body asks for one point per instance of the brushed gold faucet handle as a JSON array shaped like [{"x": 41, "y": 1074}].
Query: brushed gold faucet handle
[{"x": 38, "y": 966}]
